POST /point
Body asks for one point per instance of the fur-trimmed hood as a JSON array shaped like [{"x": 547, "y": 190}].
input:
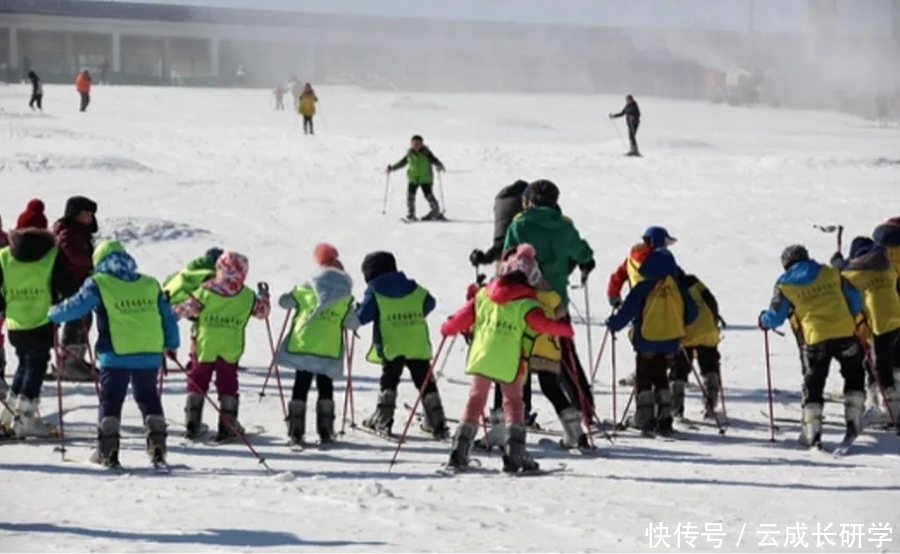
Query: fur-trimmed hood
[{"x": 30, "y": 244}]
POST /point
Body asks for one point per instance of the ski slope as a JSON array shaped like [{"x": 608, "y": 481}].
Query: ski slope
[{"x": 176, "y": 171}]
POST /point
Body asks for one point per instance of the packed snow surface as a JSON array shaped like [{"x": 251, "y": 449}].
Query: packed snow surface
[{"x": 176, "y": 171}]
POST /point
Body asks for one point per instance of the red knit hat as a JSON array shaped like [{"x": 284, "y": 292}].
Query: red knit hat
[
  {"x": 33, "y": 216},
  {"x": 326, "y": 255}
]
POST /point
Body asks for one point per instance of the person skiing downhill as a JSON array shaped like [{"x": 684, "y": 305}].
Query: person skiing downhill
[
  {"x": 501, "y": 317},
  {"x": 314, "y": 345},
  {"x": 821, "y": 306},
  {"x": 136, "y": 326},
  {"x": 418, "y": 161},
  {"x": 632, "y": 114}
]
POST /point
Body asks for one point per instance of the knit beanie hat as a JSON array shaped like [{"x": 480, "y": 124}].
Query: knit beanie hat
[
  {"x": 33, "y": 216},
  {"x": 326, "y": 255},
  {"x": 523, "y": 260}
]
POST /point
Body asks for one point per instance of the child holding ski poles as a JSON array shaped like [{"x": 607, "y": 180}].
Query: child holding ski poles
[
  {"x": 314, "y": 346},
  {"x": 222, "y": 308},
  {"x": 504, "y": 317},
  {"x": 418, "y": 161}
]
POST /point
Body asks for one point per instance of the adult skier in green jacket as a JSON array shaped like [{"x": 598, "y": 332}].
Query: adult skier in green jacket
[
  {"x": 418, "y": 162},
  {"x": 560, "y": 249}
]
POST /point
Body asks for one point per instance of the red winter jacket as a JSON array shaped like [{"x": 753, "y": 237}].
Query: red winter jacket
[
  {"x": 501, "y": 293},
  {"x": 75, "y": 240},
  {"x": 619, "y": 277}
]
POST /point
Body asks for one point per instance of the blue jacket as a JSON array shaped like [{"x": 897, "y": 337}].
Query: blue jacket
[
  {"x": 122, "y": 266},
  {"x": 659, "y": 264},
  {"x": 394, "y": 285},
  {"x": 802, "y": 273}
]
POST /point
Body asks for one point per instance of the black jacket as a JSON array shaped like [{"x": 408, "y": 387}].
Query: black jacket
[
  {"x": 631, "y": 111},
  {"x": 30, "y": 245},
  {"x": 36, "y": 87},
  {"x": 507, "y": 204}
]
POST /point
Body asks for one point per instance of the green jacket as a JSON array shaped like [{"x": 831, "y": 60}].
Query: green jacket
[
  {"x": 418, "y": 166},
  {"x": 555, "y": 240}
]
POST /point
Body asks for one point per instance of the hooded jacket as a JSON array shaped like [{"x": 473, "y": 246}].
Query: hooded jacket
[
  {"x": 231, "y": 272},
  {"x": 658, "y": 265},
  {"x": 555, "y": 240},
  {"x": 619, "y": 277},
  {"x": 77, "y": 239},
  {"x": 330, "y": 286},
  {"x": 28, "y": 245},
  {"x": 507, "y": 205},
  {"x": 117, "y": 263},
  {"x": 394, "y": 284},
  {"x": 867, "y": 256}
]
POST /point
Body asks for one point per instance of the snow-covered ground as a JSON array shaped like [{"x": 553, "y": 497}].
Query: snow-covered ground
[{"x": 176, "y": 171}]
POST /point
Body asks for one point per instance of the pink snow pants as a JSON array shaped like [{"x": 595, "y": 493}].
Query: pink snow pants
[
  {"x": 226, "y": 378},
  {"x": 513, "y": 407}
]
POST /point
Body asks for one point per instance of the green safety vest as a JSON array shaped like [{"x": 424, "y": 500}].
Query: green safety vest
[
  {"x": 132, "y": 309},
  {"x": 27, "y": 289},
  {"x": 219, "y": 329},
  {"x": 404, "y": 332},
  {"x": 499, "y": 337},
  {"x": 180, "y": 286},
  {"x": 322, "y": 335}
]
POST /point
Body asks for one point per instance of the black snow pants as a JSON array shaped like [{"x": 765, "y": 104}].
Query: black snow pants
[
  {"x": 36, "y": 100},
  {"x": 815, "y": 360}
]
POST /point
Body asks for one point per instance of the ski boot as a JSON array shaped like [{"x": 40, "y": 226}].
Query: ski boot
[
  {"x": 515, "y": 456},
  {"x": 193, "y": 416},
  {"x": 435, "y": 422},
  {"x": 28, "y": 424},
  {"x": 893, "y": 396},
  {"x": 643, "y": 413},
  {"x": 678, "y": 387},
  {"x": 496, "y": 434},
  {"x": 853, "y": 410},
  {"x": 229, "y": 428},
  {"x": 156, "y": 438},
  {"x": 8, "y": 414},
  {"x": 325, "y": 420},
  {"x": 107, "y": 451},
  {"x": 296, "y": 422},
  {"x": 462, "y": 445},
  {"x": 383, "y": 418},
  {"x": 711, "y": 382},
  {"x": 664, "y": 413},
  {"x": 434, "y": 215},
  {"x": 4, "y": 386},
  {"x": 811, "y": 428},
  {"x": 573, "y": 433}
]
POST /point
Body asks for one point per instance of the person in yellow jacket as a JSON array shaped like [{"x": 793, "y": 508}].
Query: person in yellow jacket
[
  {"x": 314, "y": 346},
  {"x": 869, "y": 270},
  {"x": 887, "y": 235},
  {"x": 822, "y": 307},
  {"x": 700, "y": 343},
  {"x": 306, "y": 107}
]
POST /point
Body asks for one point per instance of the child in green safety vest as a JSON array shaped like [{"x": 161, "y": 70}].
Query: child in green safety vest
[
  {"x": 180, "y": 285},
  {"x": 34, "y": 273},
  {"x": 398, "y": 307},
  {"x": 418, "y": 162},
  {"x": 314, "y": 346},
  {"x": 136, "y": 326},
  {"x": 221, "y": 309},
  {"x": 504, "y": 318}
]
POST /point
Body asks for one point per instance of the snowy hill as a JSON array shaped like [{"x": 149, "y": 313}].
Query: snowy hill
[{"x": 176, "y": 171}]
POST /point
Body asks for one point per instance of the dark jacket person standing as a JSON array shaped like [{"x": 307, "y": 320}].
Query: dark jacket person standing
[{"x": 632, "y": 114}]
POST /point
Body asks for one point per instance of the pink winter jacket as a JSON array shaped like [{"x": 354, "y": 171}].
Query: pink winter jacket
[{"x": 231, "y": 272}]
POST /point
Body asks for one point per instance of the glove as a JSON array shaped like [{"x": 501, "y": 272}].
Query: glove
[
  {"x": 471, "y": 291},
  {"x": 615, "y": 302},
  {"x": 612, "y": 116},
  {"x": 586, "y": 269},
  {"x": 759, "y": 322},
  {"x": 477, "y": 258},
  {"x": 722, "y": 324},
  {"x": 213, "y": 254},
  {"x": 837, "y": 259},
  {"x": 389, "y": 169},
  {"x": 171, "y": 354},
  {"x": 262, "y": 289}
]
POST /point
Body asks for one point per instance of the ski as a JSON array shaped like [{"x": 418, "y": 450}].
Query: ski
[
  {"x": 388, "y": 437},
  {"x": 843, "y": 448},
  {"x": 248, "y": 433},
  {"x": 687, "y": 423},
  {"x": 440, "y": 219},
  {"x": 449, "y": 471},
  {"x": 574, "y": 450}
]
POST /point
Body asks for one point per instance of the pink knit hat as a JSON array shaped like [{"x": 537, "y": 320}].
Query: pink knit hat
[
  {"x": 523, "y": 260},
  {"x": 327, "y": 255}
]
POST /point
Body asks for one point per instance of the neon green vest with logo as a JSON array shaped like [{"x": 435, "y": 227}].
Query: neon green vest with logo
[
  {"x": 498, "y": 338},
  {"x": 27, "y": 289},
  {"x": 132, "y": 308},
  {"x": 322, "y": 335},
  {"x": 183, "y": 284},
  {"x": 219, "y": 331},
  {"x": 404, "y": 332}
]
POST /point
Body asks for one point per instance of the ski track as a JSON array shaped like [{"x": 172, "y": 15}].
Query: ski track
[{"x": 176, "y": 171}]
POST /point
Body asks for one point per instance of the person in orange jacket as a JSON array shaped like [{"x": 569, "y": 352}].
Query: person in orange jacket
[{"x": 83, "y": 86}]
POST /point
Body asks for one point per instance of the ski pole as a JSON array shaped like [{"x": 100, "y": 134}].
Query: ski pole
[
  {"x": 769, "y": 385},
  {"x": 612, "y": 368},
  {"x": 277, "y": 370},
  {"x": 412, "y": 413},
  {"x": 162, "y": 375},
  {"x": 618, "y": 132},
  {"x": 709, "y": 401},
  {"x": 722, "y": 397},
  {"x": 287, "y": 317},
  {"x": 232, "y": 425},
  {"x": 441, "y": 191},
  {"x": 60, "y": 429},
  {"x": 599, "y": 357},
  {"x": 587, "y": 314},
  {"x": 440, "y": 372},
  {"x": 621, "y": 424},
  {"x": 348, "y": 387},
  {"x": 387, "y": 187},
  {"x": 587, "y": 410}
]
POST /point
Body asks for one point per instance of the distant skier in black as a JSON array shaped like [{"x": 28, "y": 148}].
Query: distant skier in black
[
  {"x": 37, "y": 91},
  {"x": 632, "y": 114}
]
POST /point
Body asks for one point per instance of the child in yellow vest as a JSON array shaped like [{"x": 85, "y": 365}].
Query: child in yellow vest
[
  {"x": 315, "y": 347},
  {"x": 222, "y": 307},
  {"x": 701, "y": 343},
  {"x": 501, "y": 316},
  {"x": 398, "y": 307}
]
